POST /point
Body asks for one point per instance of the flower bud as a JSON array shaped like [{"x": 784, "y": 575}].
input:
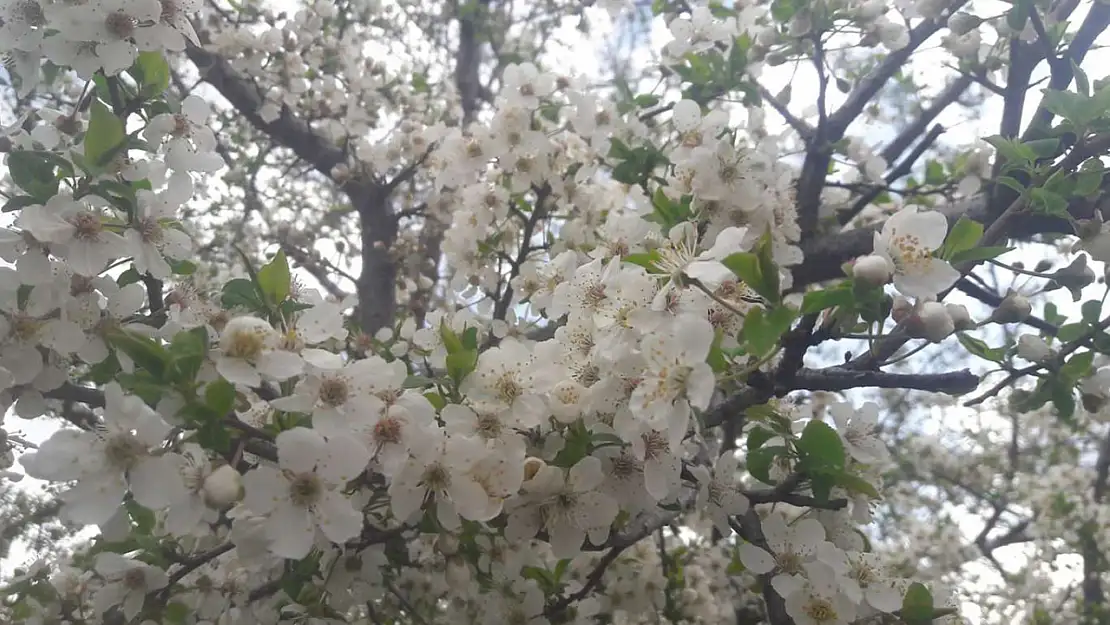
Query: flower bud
[
  {"x": 873, "y": 271},
  {"x": 936, "y": 323},
  {"x": 1033, "y": 348},
  {"x": 960, "y": 317},
  {"x": 1013, "y": 309},
  {"x": 223, "y": 487},
  {"x": 901, "y": 309},
  {"x": 532, "y": 466}
]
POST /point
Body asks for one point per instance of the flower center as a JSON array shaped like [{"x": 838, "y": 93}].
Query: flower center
[
  {"x": 245, "y": 344},
  {"x": 334, "y": 391},
  {"x": 388, "y": 431},
  {"x": 121, "y": 24},
  {"x": 820, "y": 610},
  {"x": 305, "y": 489},
  {"x": 655, "y": 445},
  {"x": 149, "y": 230},
  {"x": 123, "y": 451},
  {"x": 24, "y": 328},
  {"x": 508, "y": 389},
  {"x": 87, "y": 226},
  {"x": 489, "y": 426},
  {"x": 436, "y": 477},
  {"x": 134, "y": 579}
]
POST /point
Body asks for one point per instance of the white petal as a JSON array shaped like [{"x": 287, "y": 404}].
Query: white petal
[
  {"x": 338, "y": 520},
  {"x": 756, "y": 560},
  {"x": 156, "y": 481},
  {"x": 291, "y": 531}
]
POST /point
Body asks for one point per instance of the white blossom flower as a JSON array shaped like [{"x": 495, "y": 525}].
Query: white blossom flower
[
  {"x": 792, "y": 548},
  {"x": 249, "y": 348},
  {"x": 565, "y": 503},
  {"x": 677, "y": 375},
  {"x": 858, "y": 428},
  {"x": 127, "y": 583},
  {"x": 121, "y": 453},
  {"x": 304, "y": 492},
  {"x": 719, "y": 493},
  {"x": 908, "y": 240}
]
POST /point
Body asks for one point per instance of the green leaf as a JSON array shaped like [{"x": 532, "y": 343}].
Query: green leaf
[
  {"x": 917, "y": 605},
  {"x": 219, "y": 396},
  {"x": 176, "y": 613},
  {"x": 646, "y": 260},
  {"x": 1077, "y": 367},
  {"x": 188, "y": 351},
  {"x": 977, "y": 254},
  {"x": 147, "y": 353},
  {"x": 816, "y": 301},
  {"x": 451, "y": 340},
  {"x": 979, "y": 348},
  {"x": 274, "y": 278},
  {"x": 33, "y": 171},
  {"x": 242, "y": 293},
  {"x": 1088, "y": 182},
  {"x": 461, "y": 363},
  {"x": 746, "y": 267},
  {"x": 105, "y": 136},
  {"x": 759, "y": 462},
  {"x": 1049, "y": 202},
  {"x": 1046, "y": 147},
  {"x": 963, "y": 236},
  {"x": 1012, "y": 150},
  {"x": 1082, "y": 83},
  {"x": 757, "y": 436},
  {"x": 934, "y": 172},
  {"x": 154, "y": 73},
  {"x": 856, "y": 484},
  {"x": 1012, "y": 183},
  {"x": 821, "y": 448}
]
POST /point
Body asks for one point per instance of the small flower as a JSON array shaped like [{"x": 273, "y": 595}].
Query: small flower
[
  {"x": 858, "y": 429},
  {"x": 304, "y": 491},
  {"x": 127, "y": 583},
  {"x": 249, "y": 349},
  {"x": 719, "y": 494},
  {"x": 907, "y": 241}
]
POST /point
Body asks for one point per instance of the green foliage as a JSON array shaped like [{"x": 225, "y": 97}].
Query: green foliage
[
  {"x": 963, "y": 236},
  {"x": 152, "y": 72},
  {"x": 917, "y": 606},
  {"x": 274, "y": 279},
  {"x": 105, "y": 137}
]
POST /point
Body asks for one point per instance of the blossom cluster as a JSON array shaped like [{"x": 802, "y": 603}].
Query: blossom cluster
[{"x": 249, "y": 457}]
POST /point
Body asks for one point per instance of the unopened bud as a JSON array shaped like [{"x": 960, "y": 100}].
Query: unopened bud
[
  {"x": 223, "y": 487},
  {"x": 872, "y": 271},
  {"x": 1033, "y": 348},
  {"x": 532, "y": 466},
  {"x": 775, "y": 59},
  {"x": 935, "y": 322},
  {"x": 1013, "y": 309},
  {"x": 901, "y": 309},
  {"x": 843, "y": 86},
  {"x": 960, "y": 317}
]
